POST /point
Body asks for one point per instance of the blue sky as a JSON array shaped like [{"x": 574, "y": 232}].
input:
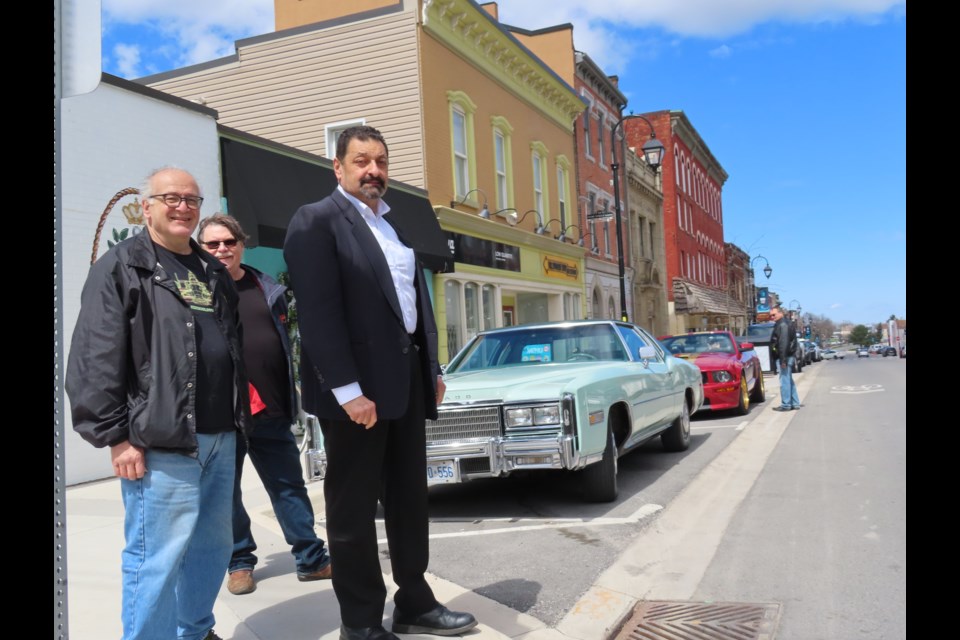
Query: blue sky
[{"x": 803, "y": 103}]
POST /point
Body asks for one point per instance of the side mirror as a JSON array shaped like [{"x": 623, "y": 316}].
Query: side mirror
[
  {"x": 647, "y": 353},
  {"x": 746, "y": 346}
]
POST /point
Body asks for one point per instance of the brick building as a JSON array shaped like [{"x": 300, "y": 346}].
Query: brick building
[{"x": 692, "y": 183}]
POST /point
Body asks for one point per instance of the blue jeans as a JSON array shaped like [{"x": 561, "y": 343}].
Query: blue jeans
[
  {"x": 177, "y": 531},
  {"x": 273, "y": 451},
  {"x": 788, "y": 388}
]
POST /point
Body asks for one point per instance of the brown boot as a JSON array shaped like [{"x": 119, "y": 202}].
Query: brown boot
[{"x": 241, "y": 582}]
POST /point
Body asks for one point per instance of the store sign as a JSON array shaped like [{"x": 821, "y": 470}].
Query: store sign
[
  {"x": 561, "y": 268},
  {"x": 484, "y": 253},
  {"x": 763, "y": 300}
]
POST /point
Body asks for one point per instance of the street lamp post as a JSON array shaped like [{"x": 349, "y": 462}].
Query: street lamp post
[
  {"x": 767, "y": 271},
  {"x": 653, "y": 151}
]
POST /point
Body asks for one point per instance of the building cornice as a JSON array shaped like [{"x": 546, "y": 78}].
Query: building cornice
[
  {"x": 683, "y": 129},
  {"x": 593, "y": 75},
  {"x": 472, "y": 33}
]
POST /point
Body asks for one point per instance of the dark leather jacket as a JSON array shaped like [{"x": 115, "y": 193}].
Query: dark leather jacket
[
  {"x": 131, "y": 373},
  {"x": 783, "y": 340}
]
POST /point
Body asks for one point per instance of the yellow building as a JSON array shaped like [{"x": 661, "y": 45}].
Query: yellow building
[{"x": 470, "y": 114}]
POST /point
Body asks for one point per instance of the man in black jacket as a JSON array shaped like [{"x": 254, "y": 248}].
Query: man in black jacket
[
  {"x": 783, "y": 348},
  {"x": 370, "y": 374},
  {"x": 155, "y": 373}
]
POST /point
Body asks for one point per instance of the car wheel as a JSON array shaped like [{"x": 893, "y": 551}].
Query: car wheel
[
  {"x": 759, "y": 393},
  {"x": 600, "y": 478},
  {"x": 743, "y": 407},
  {"x": 677, "y": 437}
]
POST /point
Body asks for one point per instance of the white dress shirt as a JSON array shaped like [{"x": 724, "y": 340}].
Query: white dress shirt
[{"x": 402, "y": 265}]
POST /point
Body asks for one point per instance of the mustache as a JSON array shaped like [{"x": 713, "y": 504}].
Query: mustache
[{"x": 376, "y": 181}]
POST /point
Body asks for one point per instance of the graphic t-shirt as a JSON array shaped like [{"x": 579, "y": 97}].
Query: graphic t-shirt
[{"x": 214, "y": 386}]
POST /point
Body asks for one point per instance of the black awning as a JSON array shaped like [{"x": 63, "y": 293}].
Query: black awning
[{"x": 265, "y": 186}]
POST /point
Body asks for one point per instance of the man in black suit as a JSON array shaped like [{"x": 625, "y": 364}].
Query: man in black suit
[{"x": 370, "y": 374}]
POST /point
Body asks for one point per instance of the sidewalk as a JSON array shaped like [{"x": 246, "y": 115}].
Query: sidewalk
[{"x": 666, "y": 562}]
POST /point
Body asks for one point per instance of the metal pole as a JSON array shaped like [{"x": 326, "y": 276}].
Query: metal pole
[
  {"x": 615, "y": 166},
  {"x": 619, "y": 222}
]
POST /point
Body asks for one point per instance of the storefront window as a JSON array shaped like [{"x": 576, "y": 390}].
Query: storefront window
[
  {"x": 489, "y": 307},
  {"x": 451, "y": 292},
  {"x": 571, "y": 306},
  {"x": 471, "y": 306}
]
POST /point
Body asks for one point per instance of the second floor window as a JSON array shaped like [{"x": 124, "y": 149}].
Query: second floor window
[
  {"x": 600, "y": 140},
  {"x": 562, "y": 195},
  {"x": 538, "y": 183},
  {"x": 461, "y": 163},
  {"x": 500, "y": 160}
]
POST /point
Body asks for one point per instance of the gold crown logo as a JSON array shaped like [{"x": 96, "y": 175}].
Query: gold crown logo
[{"x": 132, "y": 213}]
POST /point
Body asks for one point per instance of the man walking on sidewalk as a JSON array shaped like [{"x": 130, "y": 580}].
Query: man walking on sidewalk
[
  {"x": 783, "y": 348},
  {"x": 272, "y": 446}
]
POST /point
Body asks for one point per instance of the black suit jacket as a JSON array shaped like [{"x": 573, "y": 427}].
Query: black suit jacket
[{"x": 351, "y": 326}]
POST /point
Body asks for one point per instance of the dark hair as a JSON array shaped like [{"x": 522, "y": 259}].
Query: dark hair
[
  {"x": 360, "y": 132},
  {"x": 223, "y": 220}
]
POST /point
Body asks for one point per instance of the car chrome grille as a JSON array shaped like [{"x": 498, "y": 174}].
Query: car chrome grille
[
  {"x": 534, "y": 431},
  {"x": 459, "y": 425}
]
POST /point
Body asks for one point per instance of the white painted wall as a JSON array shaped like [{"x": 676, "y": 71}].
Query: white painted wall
[{"x": 111, "y": 139}]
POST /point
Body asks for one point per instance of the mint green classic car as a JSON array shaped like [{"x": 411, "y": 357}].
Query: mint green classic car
[{"x": 564, "y": 395}]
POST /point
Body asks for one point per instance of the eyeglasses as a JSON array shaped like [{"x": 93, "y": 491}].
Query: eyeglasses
[
  {"x": 213, "y": 244},
  {"x": 173, "y": 200}
]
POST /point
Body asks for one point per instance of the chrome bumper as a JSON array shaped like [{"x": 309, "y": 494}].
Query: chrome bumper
[{"x": 498, "y": 457}]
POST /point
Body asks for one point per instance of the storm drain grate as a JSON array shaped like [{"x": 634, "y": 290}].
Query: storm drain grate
[{"x": 659, "y": 620}]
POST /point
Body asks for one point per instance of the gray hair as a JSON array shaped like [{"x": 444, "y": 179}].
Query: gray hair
[
  {"x": 146, "y": 188},
  {"x": 227, "y": 222}
]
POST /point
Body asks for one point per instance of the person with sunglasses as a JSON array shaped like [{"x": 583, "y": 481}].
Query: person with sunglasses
[
  {"x": 272, "y": 446},
  {"x": 155, "y": 374}
]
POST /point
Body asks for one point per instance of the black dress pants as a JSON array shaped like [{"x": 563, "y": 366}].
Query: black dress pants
[{"x": 387, "y": 463}]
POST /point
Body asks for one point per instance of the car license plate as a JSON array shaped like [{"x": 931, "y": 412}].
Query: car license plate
[{"x": 440, "y": 472}]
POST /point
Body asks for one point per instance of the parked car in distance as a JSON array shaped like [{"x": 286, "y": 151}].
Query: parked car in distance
[
  {"x": 875, "y": 348},
  {"x": 863, "y": 352},
  {"x": 832, "y": 354},
  {"x": 801, "y": 357},
  {"x": 888, "y": 351},
  {"x": 731, "y": 371},
  {"x": 809, "y": 351},
  {"x": 571, "y": 395}
]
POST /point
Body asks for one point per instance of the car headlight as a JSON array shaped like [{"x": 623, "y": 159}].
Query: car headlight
[
  {"x": 529, "y": 416},
  {"x": 722, "y": 376}
]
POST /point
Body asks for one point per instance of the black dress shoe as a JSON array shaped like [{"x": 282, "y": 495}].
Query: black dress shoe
[
  {"x": 439, "y": 621},
  {"x": 365, "y": 633}
]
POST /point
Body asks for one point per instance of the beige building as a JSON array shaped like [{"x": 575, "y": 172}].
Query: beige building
[
  {"x": 644, "y": 216},
  {"x": 471, "y": 115}
]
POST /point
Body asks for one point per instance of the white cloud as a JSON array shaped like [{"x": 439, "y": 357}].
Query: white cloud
[
  {"x": 596, "y": 23},
  {"x": 723, "y": 51},
  {"x": 192, "y": 31},
  {"x": 127, "y": 59}
]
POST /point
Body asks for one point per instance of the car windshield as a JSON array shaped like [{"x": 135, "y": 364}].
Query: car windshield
[
  {"x": 698, "y": 343},
  {"x": 541, "y": 345}
]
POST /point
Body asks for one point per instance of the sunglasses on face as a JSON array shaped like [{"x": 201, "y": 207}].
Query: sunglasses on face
[{"x": 213, "y": 244}]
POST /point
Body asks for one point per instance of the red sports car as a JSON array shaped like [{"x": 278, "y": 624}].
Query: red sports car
[{"x": 732, "y": 373}]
